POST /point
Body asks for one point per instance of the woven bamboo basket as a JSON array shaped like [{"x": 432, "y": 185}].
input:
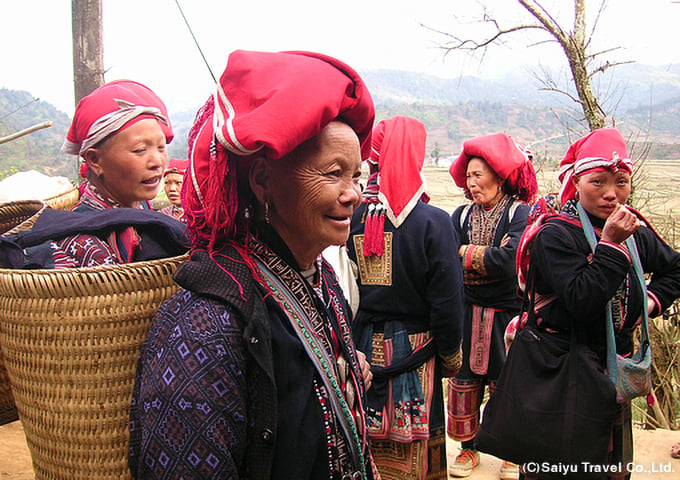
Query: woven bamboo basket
[
  {"x": 71, "y": 339},
  {"x": 14, "y": 217},
  {"x": 20, "y": 215},
  {"x": 65, "y": 200}
]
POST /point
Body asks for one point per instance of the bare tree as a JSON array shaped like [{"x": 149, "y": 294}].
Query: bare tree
[
  {"x": 576, "y": 43},
  {"x": 88, "y": 47}
]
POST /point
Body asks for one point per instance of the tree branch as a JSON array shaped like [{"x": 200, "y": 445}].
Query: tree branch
[
  {"x": 470, "y": 44},
  {"x": 606, "y": 66}
]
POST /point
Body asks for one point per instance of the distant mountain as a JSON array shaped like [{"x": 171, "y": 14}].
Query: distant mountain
[
  {"x": 645, "y": 101},
  {"x": 624, "y": 87},
  {"x": 40, "y": 150}
]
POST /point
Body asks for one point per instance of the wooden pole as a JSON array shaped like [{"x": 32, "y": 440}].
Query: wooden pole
[
  {"x": 88, "y": 47},
  {"x": 25, "y": 131}
]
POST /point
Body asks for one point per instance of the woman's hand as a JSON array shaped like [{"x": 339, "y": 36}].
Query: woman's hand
[
  {"x": 620, "y": 225},
  {"x": 461, "y": 251},
  {"x": 365, "y": 369}
]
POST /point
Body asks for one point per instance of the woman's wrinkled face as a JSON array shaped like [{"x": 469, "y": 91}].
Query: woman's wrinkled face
[
  {"x": 173, "y": 188},
  {"x": 314, "y": 191},
  {"x": 483, "y": 183},
  {"x": 130, "y": 164},
  {"x": 600, "y": 191}
]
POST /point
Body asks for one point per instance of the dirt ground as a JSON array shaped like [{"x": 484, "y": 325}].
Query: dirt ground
[{"x": 652, "y": 458}]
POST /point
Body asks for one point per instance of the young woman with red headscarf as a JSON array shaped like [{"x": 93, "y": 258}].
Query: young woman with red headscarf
[
  {"x": 120, "y": 131},
  {"x": 411, "y": 305},
  {"x": 573, "y": 283},
  {"x": 250, "y": 371},
  {"x": 172, "y": 184},
  {"x": 497, "y": 175}
]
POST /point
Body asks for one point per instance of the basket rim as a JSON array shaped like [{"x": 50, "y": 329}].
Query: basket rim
[
  {"x": 118, "y": 267},
  {"x": 27, "y": 201},
  {"x": 65, "y": 192}
]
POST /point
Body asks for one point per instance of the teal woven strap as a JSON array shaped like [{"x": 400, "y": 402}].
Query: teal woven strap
[{"x": 637, "y": 265}]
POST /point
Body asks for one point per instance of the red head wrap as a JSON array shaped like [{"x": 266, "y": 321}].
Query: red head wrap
[
  {"x": 110, "y": 109},
  {"x": 266, "y": 103},
  {"x": 176, "y": 165},
  {"x": 399, "y": 150},
  {"x": 506, "y": 157},
  {"x": 601, "y": 149}
]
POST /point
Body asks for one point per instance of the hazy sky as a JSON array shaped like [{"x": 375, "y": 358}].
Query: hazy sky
[{"x": 148, "y": 41}]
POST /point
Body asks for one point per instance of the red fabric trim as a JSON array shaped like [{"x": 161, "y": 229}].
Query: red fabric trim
[
  {"x": 618, "y": 247},
  {"x": 657, "y": 305}
]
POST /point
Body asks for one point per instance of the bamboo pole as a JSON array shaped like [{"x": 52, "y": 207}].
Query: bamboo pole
[{"x": 25, "y": 131}]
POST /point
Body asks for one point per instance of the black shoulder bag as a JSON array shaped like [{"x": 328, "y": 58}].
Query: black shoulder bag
[{"x": 553, "y": 403}]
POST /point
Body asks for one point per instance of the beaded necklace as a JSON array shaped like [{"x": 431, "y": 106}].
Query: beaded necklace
[{"x": 484, "y": 223}]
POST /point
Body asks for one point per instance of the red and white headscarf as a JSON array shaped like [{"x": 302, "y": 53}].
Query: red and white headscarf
[
  {"x": 393, "y": 190},
  {"x": 603, "y": 149},
  {"x": 176, "y": 165},
  {"x": 399, "y": 151},
  {"x": 506, "y": 157},
  {"x": 110, "y": 109},
  {"x": 268, "y": 104}
]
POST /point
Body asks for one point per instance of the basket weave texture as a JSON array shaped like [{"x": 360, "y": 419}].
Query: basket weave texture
[
  {"x": 71, "y": 339},
  {"x": 20, "y": 215},
  {"x": 14, "y": 217},
  {"x": 64, "y": 200}
]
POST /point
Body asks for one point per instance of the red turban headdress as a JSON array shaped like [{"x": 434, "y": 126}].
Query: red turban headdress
[
  {"x": 399, "y": 150},
  {"x": 110, "y": 109},
  {"x": 266, "y": 103},
  {"x": 506, "y": 157},
  {"x": 604, "y": 148},
  {"x": 176, "y": 165}
]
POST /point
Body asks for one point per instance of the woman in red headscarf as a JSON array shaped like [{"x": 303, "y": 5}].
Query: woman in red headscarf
[
  {"x": 172, "y": 184},
  {"x": 250, "y": 371},
  {"x": 574, "y": 283},
  {"x": 496, "y": 173},
  {"x": 411, "y": 305},
  {"x": 120, "y": 132}
]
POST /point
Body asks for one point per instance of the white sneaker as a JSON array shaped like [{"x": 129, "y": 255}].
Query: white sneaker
[
  {"x": 509, "y": 471},
  {"x": 465, "y": 462}
]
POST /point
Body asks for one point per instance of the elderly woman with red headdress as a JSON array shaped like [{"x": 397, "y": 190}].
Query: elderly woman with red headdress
[
  {"x": 496, "y": 173},
  {"x": 411, "y": 305},
  {"x": 120, "y": 131},
  {"x": 574, "y": 283},
  {"x": 250, "y": 371},
  {"x": 172, "y": 184}
]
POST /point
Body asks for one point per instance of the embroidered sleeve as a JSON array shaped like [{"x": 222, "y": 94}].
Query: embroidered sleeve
[
  {"x": 188, "y": 416},
  {"x": 452, "y": 363},
  {"x": 84, "y": 251}
]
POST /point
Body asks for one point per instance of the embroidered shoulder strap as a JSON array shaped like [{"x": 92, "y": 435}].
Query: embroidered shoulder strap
[{"x": 319, "y": 355}]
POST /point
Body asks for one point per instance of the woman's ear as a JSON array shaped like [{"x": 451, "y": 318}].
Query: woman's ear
[
  {"x": 91, "y": 157},
  {"x": 258, "y": 178}
]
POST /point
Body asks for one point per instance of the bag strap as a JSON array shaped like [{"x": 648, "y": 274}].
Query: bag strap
[
  {"x": 529, "y": 305},
  {"x": 637, "y": 265}
]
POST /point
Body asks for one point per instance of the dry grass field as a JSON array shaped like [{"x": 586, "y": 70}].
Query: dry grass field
[{"x": 656, "y": 194}]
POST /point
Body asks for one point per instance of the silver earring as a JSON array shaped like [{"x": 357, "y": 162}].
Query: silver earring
[{"x": 266, "y": 212}]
